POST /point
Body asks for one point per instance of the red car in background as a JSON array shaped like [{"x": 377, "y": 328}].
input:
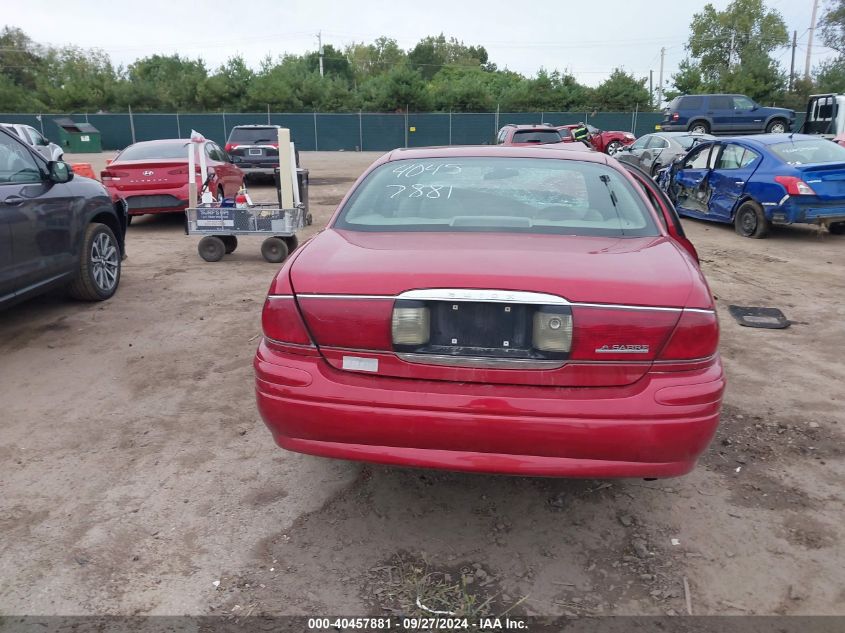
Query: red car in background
[
  {"x": 522, "y": 310},
  {"x": 544, "y": 133},
  {"x": 608, "y": 142},
  {"x": 152, "y": 176}
]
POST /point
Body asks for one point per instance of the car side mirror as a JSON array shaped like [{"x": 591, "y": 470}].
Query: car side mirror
[
  {"x": 60, "y": 171},
  {"x": 45, "y": 140}
]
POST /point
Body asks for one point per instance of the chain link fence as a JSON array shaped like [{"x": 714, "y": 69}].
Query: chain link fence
[{"x": 362, "y": 131}]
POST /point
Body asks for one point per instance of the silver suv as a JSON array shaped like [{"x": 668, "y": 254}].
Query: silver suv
[{"x": 36, "y": 140}]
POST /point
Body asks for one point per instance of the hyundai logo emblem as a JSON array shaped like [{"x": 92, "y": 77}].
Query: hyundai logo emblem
[{"x": 148, "y": 172}]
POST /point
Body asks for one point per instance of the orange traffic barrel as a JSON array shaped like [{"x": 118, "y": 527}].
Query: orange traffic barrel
[{"x": 83, "y": 169}]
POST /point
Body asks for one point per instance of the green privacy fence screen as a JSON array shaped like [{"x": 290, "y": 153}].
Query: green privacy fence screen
[{"x": 364, "y": 131}]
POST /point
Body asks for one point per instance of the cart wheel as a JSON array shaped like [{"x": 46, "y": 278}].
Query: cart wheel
[
  {"x": 309, "y": 219},
  {"x": 292, "y": 241},
  {"x": 230, "y": 242},
  {"x": 274, "y": 250},
  {"x": 211, "y": 248}
]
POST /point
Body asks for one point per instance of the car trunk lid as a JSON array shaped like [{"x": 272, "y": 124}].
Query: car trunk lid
[
  {"x": 132, "y": 176},
  {"x": 484, "y": 299},
  {"x": 827, "y": 180}
]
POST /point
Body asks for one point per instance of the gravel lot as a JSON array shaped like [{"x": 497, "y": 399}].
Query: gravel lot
[{"x": 136, "y": 472}]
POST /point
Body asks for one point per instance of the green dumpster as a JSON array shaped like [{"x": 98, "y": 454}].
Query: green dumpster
[{"x": 78, "y": 137}]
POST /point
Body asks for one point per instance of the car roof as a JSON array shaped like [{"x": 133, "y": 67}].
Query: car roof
[
  {"x": 163, "y": 141},
  {"x": 715, "y": 94},
  {"x": 769, "y": 139},
  {"x": 565, "y": 150},
  {"x": 531, "y": 126},
  {"x": 679, "y": 134}
]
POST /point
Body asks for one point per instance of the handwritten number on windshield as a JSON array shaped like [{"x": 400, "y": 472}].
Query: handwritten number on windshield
[{"x": 418, "y": 190}]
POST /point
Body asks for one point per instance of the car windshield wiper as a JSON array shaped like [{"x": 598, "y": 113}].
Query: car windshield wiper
[{"x": 613, "y": 199}]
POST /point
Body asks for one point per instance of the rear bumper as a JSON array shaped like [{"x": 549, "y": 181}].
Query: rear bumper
[
  {"x": 144, "y": 201},
  {"x": 808, "y": 210},
  {"x": 656, "y": 427}
]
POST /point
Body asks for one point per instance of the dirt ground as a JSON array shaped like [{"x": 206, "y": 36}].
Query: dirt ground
[{"x": 138, "y": 478}]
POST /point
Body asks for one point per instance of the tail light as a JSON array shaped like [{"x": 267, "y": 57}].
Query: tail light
[
  {"x": 612, "y": 334},
  {"x": 281, "y": 321},
  {"x": 795, "y": 186},
  {"x": 183, "y": 171},
  {"x": 410, "y": 324},
  {"x": 552, "y": 330},
  {"x": 354, "y": 322},
  {"x": 695, "y": 336},
  {"x": 230, "y": 147},
  {"x": 110, "y": 174},
  {"x": 675, "y": 116}
]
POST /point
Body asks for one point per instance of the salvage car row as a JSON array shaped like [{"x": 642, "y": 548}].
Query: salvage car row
[{"x": 531, "y": 307}]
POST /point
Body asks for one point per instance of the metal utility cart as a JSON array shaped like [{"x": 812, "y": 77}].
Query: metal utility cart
[{"x": 220, "y": 226}]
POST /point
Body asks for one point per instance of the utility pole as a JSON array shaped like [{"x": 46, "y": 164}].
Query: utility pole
[
  {"x": 810, "y": 39},
  {"x": 792, "y": 63},
  {"x": 660, "y": 78},
  {"x": 320, "y": 51},
  {"x": 651, "y": 88},
  {"x": 731, "y": 53}
]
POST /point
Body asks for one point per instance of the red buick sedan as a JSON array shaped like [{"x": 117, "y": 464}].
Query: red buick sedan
[
  {"x": 532, "y": 311},
  {"x": 152, "y": 176}
]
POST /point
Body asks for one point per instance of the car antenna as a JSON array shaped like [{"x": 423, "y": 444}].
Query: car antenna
[{"x": 606, "y": 180}]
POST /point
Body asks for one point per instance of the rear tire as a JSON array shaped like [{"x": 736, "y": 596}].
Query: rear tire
[
  {"x": 274, "y": 250},
  {"x": 128, "y": 220},
  {"x": 655, "y": 169},
  {"x": 699, "y": 127},
  {"x": 211, "y": 248},
  {"x": 776, "y": 126},
  {"x": 230, "y": 242},
  {"x": 750, "y": 221},
  {"x": 220, "y": 194},
  {"x": 613, "y": 148},
  {"x": 98, "y": 270},
  {"x": 837, "y": 228}
]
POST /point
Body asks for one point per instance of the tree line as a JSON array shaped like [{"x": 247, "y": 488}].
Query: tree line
[{"x": 728, "y": 51}]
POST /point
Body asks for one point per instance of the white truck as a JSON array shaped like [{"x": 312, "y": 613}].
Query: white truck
[{"x": 825, "y": 116}]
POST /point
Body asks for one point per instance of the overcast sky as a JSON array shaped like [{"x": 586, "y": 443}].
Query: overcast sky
[{"x": 589, "y": 39}]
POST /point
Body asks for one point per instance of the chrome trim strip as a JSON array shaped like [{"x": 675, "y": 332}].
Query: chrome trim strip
[
  {"x": 619, "y": 306},
  {"x": 299, "y": 345},
  {"x": 491, "y": 296},
  {"x": 478, "y": 361},
  {"x": 686, "y": 360},
  {"x": 316, "y": 296},
  {"x": 483, "y": 295}
]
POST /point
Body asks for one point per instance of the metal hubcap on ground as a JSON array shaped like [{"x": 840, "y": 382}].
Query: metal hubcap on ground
[
  {"x": 104, "y": 262},
  {"x": 748, "y": 222}
]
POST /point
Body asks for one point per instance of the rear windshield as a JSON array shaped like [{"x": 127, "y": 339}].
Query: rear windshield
[
  {"x": 254, "y": 135},
  {"x": 147, "y": 151},
  {"x": 564, "y": 132},
  {"x": 513, "y": 195},
  {"x": 688, "y": 141},
  {"x": 818, "y": 150},
  {"x": 536, "y": 136}
]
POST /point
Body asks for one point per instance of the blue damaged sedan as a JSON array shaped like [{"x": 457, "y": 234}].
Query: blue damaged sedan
[{"x": 756, "y": 181}]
